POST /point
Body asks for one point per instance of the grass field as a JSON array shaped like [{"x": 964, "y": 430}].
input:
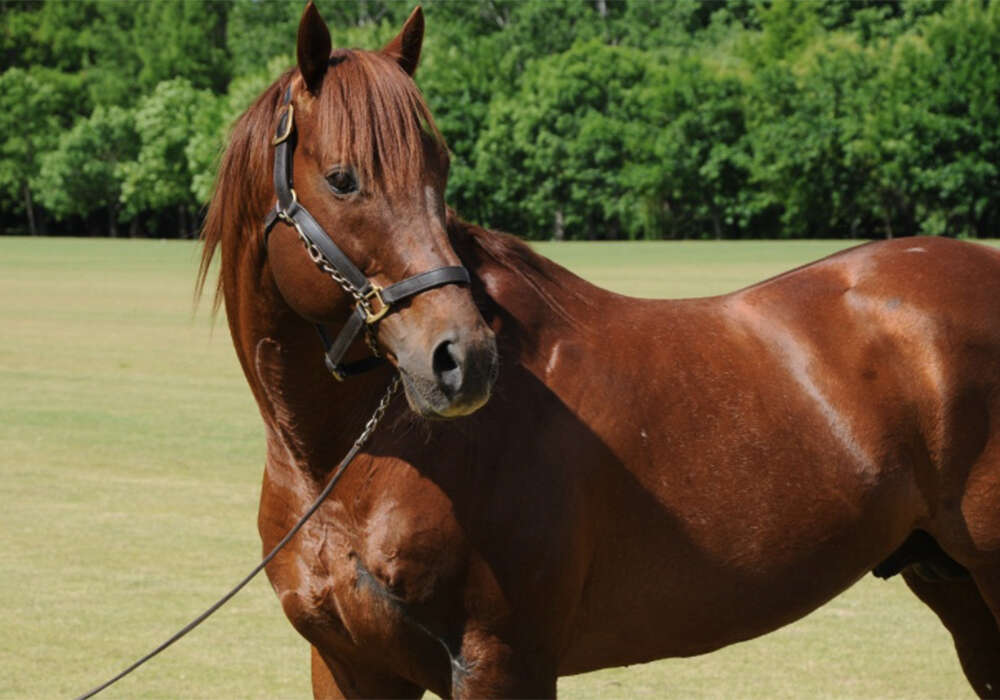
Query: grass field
[{"x": 131, "y": 453}]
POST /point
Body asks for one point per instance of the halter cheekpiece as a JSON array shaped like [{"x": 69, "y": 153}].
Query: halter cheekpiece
[{"x": 371, "y": 301}]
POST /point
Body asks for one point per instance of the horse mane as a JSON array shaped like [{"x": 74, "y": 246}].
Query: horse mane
[
  {"x": 371, "y": 115},
  {"x": 548, "y": 280},
  {"x": 242, "y": 172}
]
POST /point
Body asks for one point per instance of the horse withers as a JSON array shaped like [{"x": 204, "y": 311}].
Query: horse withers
[{"x": 650, "y": 478}]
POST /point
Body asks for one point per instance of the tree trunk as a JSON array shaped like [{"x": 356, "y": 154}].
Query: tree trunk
[
  {"x": 717, "y": 225},
  {"x": 602, "y": 8},
  {"x": 133, "y": 227},
  {"x": 558, "y": 226},
  {"x": 29, "y": 207},
  {"x": 112, "y": 220},
  {"x": 182, "y": 219},
  {"x": 887, "y": 206}
]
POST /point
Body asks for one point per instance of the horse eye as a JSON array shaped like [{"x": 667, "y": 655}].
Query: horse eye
[{"x": 342, "y": 181}]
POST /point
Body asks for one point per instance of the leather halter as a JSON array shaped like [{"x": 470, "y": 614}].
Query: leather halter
[{"x": 323, "y": 250}]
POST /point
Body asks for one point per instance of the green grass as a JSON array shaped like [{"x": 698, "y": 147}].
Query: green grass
[{"x": 131, "y": 454}]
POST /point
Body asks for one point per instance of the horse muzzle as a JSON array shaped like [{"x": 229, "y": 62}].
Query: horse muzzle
[{"x": 455, "y": 378}]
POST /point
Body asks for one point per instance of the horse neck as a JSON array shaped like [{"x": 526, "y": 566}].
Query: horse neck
[{"x": 311, "y": 418}]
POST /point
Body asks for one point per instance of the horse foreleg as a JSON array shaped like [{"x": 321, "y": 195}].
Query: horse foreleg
[
  {"x": 972, "y": 624},
  {"x": 335, "y": 679}
]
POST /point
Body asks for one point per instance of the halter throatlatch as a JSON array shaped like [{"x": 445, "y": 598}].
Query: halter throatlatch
[{"x": 371, "y": 301}]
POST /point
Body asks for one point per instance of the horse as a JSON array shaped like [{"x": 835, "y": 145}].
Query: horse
[{"x": 579, "y": 479}]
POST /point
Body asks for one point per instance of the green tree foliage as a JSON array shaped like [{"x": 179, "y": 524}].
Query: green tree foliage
[
  {"x": 561, "y": 143},
  {"x": 565, "y": 118},
  {"x": 93, "y": 41},
  {"x": 160, "y": 178},
  {"x": 34, "y": 105},
  {"x": 112, "y": 62},
  {"x": 691, "y": 167},
  {"x": 257, "y": 31},
  {"x": 182, "y": 39},
  {"x": 806, "y": 119},
  {"x": 48, "y": 34},
  {"x": 934, "y": 142},
  {"x": 84, "y": 173}
]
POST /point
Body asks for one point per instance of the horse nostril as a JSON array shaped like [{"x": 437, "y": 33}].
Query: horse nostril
[{"x": 445, "y": 363}]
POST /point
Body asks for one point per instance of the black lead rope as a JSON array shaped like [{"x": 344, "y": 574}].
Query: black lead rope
[{"x": 352, "y": 453}]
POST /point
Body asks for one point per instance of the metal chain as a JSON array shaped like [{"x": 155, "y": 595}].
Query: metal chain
[
  {"x": 316, "y": 255},
  {"x": 379, "y": 412},
  {"x": 371, "y": 341}
]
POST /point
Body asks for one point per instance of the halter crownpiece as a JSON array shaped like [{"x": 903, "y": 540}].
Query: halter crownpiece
[{"x": 372, "y": 302}]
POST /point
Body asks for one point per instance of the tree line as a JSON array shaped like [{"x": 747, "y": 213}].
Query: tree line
[{"x": 576, "y": 119}]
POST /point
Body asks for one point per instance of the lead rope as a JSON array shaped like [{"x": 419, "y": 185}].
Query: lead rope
[{"x": 370, "y": 426}]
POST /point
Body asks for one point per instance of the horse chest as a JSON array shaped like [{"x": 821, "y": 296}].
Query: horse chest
[
  {"x": 374, "y": 575},
  {"x": 405, "y": 550}
]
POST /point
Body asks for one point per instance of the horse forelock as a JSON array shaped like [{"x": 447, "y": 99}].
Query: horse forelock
[
  {"x": 371, "y": 114},
  {"x": 368, "y": 111}
]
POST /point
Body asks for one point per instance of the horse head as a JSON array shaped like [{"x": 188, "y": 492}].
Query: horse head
[{"x": 370, "y": 170}]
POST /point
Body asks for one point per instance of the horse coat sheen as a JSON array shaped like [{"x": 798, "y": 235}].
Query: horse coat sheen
[{"x": 648, "y": 478}]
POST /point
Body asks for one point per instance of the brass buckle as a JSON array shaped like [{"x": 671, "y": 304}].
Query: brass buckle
[
  {"x": 375, "y": 316},
  {"x": 283, "y": 136},
  {"x": 283, "y": 213}
]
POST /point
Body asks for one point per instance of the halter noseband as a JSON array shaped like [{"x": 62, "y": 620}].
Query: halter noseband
[{"x": 372, "y": 302}]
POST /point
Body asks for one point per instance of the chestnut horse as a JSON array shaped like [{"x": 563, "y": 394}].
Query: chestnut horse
[{"x": 649, "y": 479}]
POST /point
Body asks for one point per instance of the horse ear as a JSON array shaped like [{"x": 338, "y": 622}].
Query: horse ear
[
  {"x": 313, "y": 47},
  {"x": 405, "y": 48}
]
